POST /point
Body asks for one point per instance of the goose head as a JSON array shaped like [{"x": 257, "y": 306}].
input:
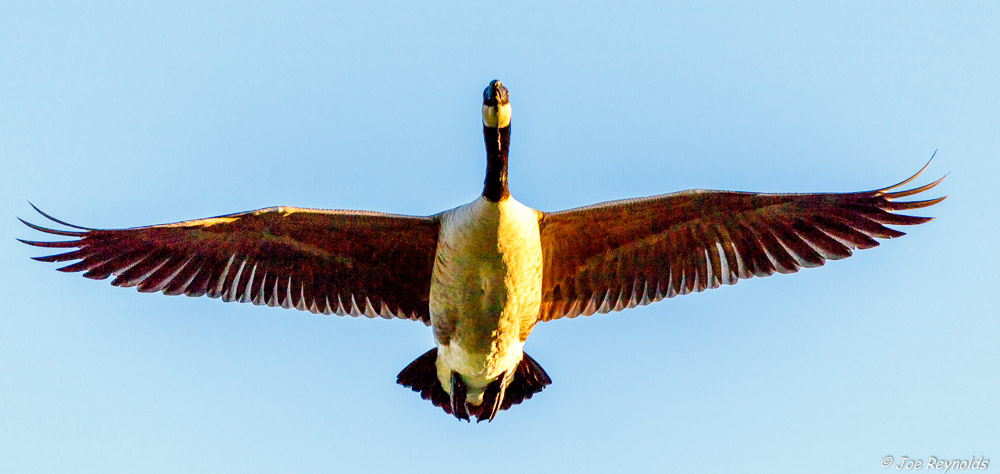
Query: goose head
[{"x": 496, "y": 106}]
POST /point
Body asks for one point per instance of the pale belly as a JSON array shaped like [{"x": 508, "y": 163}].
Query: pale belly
[{"x": 486, "y": 288}]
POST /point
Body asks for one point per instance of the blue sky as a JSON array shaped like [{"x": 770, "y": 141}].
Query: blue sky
[{"x": 130, "y": 113}]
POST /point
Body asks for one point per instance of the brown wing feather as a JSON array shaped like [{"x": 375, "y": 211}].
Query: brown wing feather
[
  {"x": 343, "y": 262},
  {"x": 620, "y": 254}
]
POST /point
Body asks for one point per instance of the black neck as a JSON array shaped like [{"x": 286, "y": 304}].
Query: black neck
[{"x": 497, "y": 143}]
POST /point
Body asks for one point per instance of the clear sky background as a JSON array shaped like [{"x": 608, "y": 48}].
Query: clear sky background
[{"x": 132, "y": 113}]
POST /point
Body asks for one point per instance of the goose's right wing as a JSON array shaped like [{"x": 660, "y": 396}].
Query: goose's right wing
[
  {"x": 620, "y": 254},
  {"x": 343, "y": 262}
]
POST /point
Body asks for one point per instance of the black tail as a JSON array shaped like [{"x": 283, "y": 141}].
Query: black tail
[
  {"x": 529, "y": 379},
  {"x": 421, "y": 377}
]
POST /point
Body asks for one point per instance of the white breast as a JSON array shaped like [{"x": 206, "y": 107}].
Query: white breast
[{"x": 486, "y": 288}]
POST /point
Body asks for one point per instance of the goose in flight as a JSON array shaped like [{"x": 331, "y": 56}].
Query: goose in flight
[{"x": 483, "y": 274}]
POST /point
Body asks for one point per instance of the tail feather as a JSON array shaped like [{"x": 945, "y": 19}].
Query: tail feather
[
  {"x": 421, "y": 377},
  {"x": 529, "y": 379}
]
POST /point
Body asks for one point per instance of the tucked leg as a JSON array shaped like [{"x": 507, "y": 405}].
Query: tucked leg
[
  {"x": 493, "y": 398},
  {"x": 458, "y": 393}
]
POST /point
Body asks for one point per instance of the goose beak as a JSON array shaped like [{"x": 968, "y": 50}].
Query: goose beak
[
  {"x": 495, "y": 93},
  {"x": 496, "y": 107}
]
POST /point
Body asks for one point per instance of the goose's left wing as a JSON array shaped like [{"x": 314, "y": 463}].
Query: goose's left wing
[
  {"x": 621, "y": 254},
  {"x": 343, "y": 262}
]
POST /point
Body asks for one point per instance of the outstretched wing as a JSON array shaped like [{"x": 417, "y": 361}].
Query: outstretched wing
[
  {"x": 620, "y": 254},
  {"x": 344, "y": 262}
]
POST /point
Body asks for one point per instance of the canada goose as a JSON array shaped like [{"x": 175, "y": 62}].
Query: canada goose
[{"x": 484, "y": 273}]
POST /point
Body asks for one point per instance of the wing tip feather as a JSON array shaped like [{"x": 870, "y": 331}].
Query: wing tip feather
[{"x": 53, "y": 219}]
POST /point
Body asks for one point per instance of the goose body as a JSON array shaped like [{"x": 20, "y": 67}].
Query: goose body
[
  {"x": 485, "y": 290},
  {"x": 483, "y": 274}
]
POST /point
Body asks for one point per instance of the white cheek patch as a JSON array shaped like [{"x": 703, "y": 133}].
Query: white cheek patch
[{"x": 496, "y": 116}]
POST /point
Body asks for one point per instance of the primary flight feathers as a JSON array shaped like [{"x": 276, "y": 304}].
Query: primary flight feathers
[
  {"x": 348, "y": 263},
  {"x": 620, "y": 254}
]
